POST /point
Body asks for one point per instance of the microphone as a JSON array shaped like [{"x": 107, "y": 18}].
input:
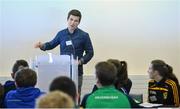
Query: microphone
[{"x": 72, "y": 44}]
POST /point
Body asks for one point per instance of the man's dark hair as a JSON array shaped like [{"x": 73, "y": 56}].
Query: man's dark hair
[
  {"x": 26, "y": 78},
  {"x": 75, "y": 12},
  {"x": 65, "y": 85},
  {"x": 19, "y": 64},
  {"x": 106, "y": 73}
]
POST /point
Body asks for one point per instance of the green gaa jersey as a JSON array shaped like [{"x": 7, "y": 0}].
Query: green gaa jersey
[{"x": 107, "y": 97}]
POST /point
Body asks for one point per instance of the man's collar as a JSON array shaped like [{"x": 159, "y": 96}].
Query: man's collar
[
  {"x": 75, "y": 31},
  {"x": 105, "y": 87}
]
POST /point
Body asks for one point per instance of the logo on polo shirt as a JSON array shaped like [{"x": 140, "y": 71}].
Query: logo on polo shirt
[{"x": 106, "y": 97}]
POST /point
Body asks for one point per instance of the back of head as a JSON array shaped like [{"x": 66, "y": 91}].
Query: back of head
[
  {"x": 55, "y": 99},
  {"x": 122, "y": 76},
  {"x": 65, "y": 85},
  {"x": 26, "y": 78},
  {"x": 165, "y": 70},
  {"x": 19, "y": 64},
  {"x": 106, "y": 73}
]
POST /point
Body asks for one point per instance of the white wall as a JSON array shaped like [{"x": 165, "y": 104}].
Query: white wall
[
  {"x": 137, "y": 31},
  {"x": 178, "y": 73},
  {"x": 0, "y": 37}
]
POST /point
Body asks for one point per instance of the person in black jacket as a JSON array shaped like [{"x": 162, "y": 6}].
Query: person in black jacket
[
  {"x": 164, "y": 87},
  {"x": 122, "y": 82}
]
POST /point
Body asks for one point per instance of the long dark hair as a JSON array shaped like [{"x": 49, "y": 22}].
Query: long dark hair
[
  {"x": 122, "y": 74},
  {"x": 165, "y": 70}
]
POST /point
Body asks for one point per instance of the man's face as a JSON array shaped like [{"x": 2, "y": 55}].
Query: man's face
[
  {"x": 73, "y": 22},
  {"x": 151, "y": 72}
]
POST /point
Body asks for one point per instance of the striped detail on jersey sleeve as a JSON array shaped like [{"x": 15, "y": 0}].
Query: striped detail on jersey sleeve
[{"x": 175, "y": 91}]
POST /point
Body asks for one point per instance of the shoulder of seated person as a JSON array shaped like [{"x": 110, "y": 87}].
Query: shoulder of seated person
[{"x": 151, "y": 81}]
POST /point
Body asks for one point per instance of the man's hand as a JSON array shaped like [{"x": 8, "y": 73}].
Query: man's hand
[
  {"x": 80, "y": 62},
  {"x": 38, "y": 45}
]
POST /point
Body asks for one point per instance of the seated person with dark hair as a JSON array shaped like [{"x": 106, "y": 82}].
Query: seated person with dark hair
[
  {"x": 121, "y": 82},
  {"x": 106, "y": 96},
  {"x": 65, "y": 85},
  {"x": 26, "y": 93},
  {"x": 1, "y": 95},
  {"x": 164, "y": 87},
  {"x": 10, "y": 85}
]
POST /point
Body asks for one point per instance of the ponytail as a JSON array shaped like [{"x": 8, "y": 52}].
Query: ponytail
[
  {"x": 171, "y": 75},
  {"x": 123, "y": 69},
  {"x": 122, "y": 75}
]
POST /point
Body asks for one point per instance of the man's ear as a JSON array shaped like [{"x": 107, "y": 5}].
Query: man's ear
[
  {"x": 77, "y": 98},
  {"x": 12, "y": 75},
  {"x": 16, "y": 84},
  {"x": 98, "y": 84}
]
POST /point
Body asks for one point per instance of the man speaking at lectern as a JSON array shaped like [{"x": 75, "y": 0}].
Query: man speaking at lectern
[{"x": 72, "y": 40}]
